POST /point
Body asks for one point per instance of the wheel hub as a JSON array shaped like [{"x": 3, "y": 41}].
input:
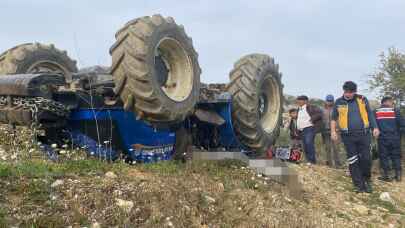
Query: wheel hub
[
  {"x": 262, "y": 105},
  {"x": 162, "y": 71}
]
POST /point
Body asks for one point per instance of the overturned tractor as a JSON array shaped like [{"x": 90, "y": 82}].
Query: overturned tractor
[{"x": 149, "y": 105}]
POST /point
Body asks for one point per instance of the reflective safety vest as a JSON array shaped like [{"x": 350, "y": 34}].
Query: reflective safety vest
[{"x": 343, "y": 110}]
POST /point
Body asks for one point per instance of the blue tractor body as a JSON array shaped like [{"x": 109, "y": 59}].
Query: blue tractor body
[
  {"x": 107, "y": 132},
  {"x": 138, "y": 140}
]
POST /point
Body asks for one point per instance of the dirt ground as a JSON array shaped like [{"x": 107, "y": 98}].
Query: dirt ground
[{"x": 85, "y": 192}]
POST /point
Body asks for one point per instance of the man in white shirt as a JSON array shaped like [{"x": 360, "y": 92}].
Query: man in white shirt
[
  {"x": 304, "y": 120},
  {"x": 309, "y": 122}
]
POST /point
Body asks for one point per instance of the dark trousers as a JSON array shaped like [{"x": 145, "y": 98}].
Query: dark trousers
[
  {"x": 358, "y": 156},
  {"x": 308, "y": 141},
  {"x": 390, "y": 149}
]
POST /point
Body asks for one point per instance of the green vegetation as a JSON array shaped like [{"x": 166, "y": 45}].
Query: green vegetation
[
  {"x": 389, "y": 78},
  {"x": 44, "y": 169},
  {"x": 373, "y": 200}
]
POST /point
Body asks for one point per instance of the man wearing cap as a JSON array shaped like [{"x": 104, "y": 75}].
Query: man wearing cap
[
  {"x": 309, "y": 122},
  {"x": 352, "y": 114},
  {"x": 332, "y": 153},
  {"x": 389, "y": 142}
]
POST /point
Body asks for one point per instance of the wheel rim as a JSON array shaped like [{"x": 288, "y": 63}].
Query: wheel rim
[
  {"x": 47, "y": 67},
  {"x": 177, "y": 83},
  {"x": 269, "y": 104}
]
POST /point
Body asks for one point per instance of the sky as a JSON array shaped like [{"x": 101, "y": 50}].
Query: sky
[{"x": 318, "y": 44}]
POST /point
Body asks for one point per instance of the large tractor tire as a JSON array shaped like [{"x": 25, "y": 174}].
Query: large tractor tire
[
  {"x": 36, "y": 58},
  {"x": 155, "y": 69},
  {"x": 257, "y": 101}
]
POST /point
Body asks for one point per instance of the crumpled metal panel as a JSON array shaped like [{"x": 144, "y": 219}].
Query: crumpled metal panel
[
  {"x": 213, "y": 93},
  {"x": 209, "y": 116}
]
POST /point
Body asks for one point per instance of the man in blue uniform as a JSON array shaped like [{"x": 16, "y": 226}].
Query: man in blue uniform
[
  {"x": 389, "y": 142},
  {"x": 355, "y": 119}
]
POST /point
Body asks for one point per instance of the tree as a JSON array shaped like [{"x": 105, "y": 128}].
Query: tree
[{"x": 389, "y": 78}]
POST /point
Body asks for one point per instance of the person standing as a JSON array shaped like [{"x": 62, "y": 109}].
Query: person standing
[
  {"x": 295, "y": 136},
  {"x": 352, "y": 114},
  {"x": 309, "y": 122},
  {"x": 389, "y": 142},
  {"x": 332, "y": 153}
]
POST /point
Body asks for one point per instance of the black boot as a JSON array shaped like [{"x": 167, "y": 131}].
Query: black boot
[
  {"x": 398, "y": 175},
  {"x": 368, "y": 185},
  {"x": 385, "y": 177}
]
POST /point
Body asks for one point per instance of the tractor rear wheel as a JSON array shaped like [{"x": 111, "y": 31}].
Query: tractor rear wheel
[
  {"x": 257, "y": 101},
  {"x": 155, "y": 69},
  {"x": 36, "y": 58}
]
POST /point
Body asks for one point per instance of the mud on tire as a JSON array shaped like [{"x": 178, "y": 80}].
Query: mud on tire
[
  {"x": 155, "y": 69},
  {"x": 257, "y": 101},
  {"x": 35, "y": 58}
]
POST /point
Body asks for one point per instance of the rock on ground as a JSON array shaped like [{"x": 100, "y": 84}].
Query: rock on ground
[
  {"x": 57, "y": 183},
  {"x": 111, "y": 175},
  {"x": 124, "y": 205}
]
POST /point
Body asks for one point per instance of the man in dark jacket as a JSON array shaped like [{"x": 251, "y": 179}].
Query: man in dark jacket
[
  {"x": 355, "y": 119},
  {"x": 389, "y": 142},
  {"x": 309, "y": 122}
]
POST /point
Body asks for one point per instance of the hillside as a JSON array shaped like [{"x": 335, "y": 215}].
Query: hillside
[{"x": 83, "y": 192}]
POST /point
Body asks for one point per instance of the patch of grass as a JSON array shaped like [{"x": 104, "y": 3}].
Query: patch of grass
[
  {"x": 166, "y": 167},
  {"x": 85, "y": 167},
  {"x": 5, "y": 171},
  {"x": 92, "y": 166},
  {"x": 44, "y": 221},
  {"x": 37, "y": 192},
  {"x": 372, "y": 224},
  {"x": 228, "y": 172},
  {"x": 230, "y": 163},
  {"x": 44, "y": 169},
  {"x": 345, "y": 183},
  {"x": 80, "y": 218},
  {"x": 250, "y": 184},
  {"x": 385, "y": 216},
  {"x": 3, "y": 222},
  {"x": 37, "y": 169},
  {"x": 401, "y": 221},
  {"x": 29, "y": 169},
  {"x": 342, "y": 215},
  {"x": 221, "y": 169},
  {"x": 389, "y": 206},
  {"x": 374, "y": 201},
  {"x": 217, "y": 169},
  {"x": 202, "y": 201}
]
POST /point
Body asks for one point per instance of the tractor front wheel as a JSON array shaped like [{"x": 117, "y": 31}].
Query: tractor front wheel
[{"x": 257, "y": 101}]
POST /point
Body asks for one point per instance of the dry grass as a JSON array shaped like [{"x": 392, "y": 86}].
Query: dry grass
[{"x": 196, "y": 194}]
